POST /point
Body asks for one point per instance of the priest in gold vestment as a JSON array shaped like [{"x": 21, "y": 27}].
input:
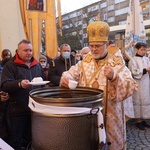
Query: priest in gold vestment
[{"x": 104, "y": 68}]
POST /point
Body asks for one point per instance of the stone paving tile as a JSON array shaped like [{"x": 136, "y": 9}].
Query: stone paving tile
[{"x": 137, "y": 139}]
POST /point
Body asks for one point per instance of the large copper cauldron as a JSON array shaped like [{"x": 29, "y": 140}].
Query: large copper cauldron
[{"x": 65, "y": 131}]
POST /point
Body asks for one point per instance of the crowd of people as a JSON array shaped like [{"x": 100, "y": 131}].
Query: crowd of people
[{"x": 101, "y": 65}]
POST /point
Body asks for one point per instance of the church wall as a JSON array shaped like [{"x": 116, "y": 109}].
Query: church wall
[{"x": 11, "y": 27}]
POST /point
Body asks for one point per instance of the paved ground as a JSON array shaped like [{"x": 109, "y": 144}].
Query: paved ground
[{"x": 137, "y": 139}]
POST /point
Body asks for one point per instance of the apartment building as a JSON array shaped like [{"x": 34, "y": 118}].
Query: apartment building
[{"x": 114, "y": 12}]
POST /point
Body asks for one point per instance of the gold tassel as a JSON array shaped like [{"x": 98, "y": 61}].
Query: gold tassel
[{"x": 53, "y": 63}]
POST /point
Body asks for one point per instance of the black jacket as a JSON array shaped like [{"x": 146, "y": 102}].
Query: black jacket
[
  {"x": 13, "y": 72},
  {"x": 57, "y": 67}
]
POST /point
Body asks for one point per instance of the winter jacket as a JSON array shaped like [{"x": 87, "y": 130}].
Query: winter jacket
[
  {"x": 14, "y": 72},
  {"x": 57, "y": 67},
  {"x": 3, "y": 121}
]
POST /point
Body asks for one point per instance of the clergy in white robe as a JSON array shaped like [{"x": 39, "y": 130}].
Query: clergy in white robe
[
  {"x": 139, "y": 66},
  {"x": 104, "y": 68}
]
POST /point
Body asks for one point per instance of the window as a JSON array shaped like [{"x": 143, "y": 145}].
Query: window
[
  {"x": 71, "y": 25},
  {"x": 73, "y": 15},
  {"x": 84, "y": 25},
  {"x": 92, "y": 19},
  {"x": 78, "y": 23},
  {"x": 122, "y": 22},
  {"x": 84, "y": 15},
  {"x": 86, "y": 44},
  {"x": 81, "y": 32},
  {"x": 103, "y": 5},
  {"x": 65, "y": 18},
  {"x": 65, "y": 27},
  {"x": 105, "y": 16},
  {"x": 119, "y": 1},
  {"x": 121, "y": 11},
  {"x": 93, "y": 8},
  {"x": 79, "y": 13},
  {"x": 85, "y": 35},
  {"x": 74, "y": 33},
  {"x": 111, "y": 7},
  {"x": 111, "y": 19}
]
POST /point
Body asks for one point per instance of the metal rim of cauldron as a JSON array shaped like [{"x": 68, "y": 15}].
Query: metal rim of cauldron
[
  {"x": 69, "y": 115},
  {"x": 39, "y": 93},
  {"x": 64, "y": 115}
]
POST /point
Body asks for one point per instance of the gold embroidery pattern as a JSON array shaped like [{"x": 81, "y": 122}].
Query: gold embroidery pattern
[
  {"x": 117, "y": 60},
  {"x": 88, "y": 58},
  {"x": 95, "y": 84}
]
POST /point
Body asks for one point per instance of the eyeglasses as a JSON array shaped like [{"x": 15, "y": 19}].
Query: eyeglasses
[
  {"x": 42, "y": 61},
  {"x": 96, "y": 45}
]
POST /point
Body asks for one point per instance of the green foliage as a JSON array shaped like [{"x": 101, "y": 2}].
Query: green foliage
[{"x": 72, "y": 40}]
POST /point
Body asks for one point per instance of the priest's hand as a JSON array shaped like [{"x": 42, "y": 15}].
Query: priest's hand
[
  {"x": 64, "y": 81},
  {"x": 108, "y": 72}
]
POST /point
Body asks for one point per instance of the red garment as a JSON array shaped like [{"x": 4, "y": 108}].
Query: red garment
[
  {"x": 32, "y": 2},
  {"x": 19, "y": 61}
]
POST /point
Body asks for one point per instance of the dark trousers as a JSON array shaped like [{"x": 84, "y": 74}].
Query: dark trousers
[
  {"x": 3, "y": 121},
  {"x": 20, "y": 131}
]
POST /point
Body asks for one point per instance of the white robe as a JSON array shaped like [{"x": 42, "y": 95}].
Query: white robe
[
  {"x": 88, "y": 73},
  {"x": 128, "y": 108},
  {"x": 141, "y": 98}
]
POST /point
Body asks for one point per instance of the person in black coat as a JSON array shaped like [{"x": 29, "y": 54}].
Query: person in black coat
[
  {"x": 16, "y": 76},
  {"x": 61, "y": 64},
  {"x": 3, "y": 111}
]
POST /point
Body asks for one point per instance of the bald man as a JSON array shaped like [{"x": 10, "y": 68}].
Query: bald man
[{"x": 84, "y": 52}]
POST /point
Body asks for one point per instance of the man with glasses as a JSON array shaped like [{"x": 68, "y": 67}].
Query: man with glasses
[
  {"x": 104, "y": 68},
  {"x": 16, "y": 77}
]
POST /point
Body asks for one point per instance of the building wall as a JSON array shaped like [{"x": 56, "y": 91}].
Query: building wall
[
  {"x": 113, "y": 12},
  {"x": 11, "y": 28}
]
